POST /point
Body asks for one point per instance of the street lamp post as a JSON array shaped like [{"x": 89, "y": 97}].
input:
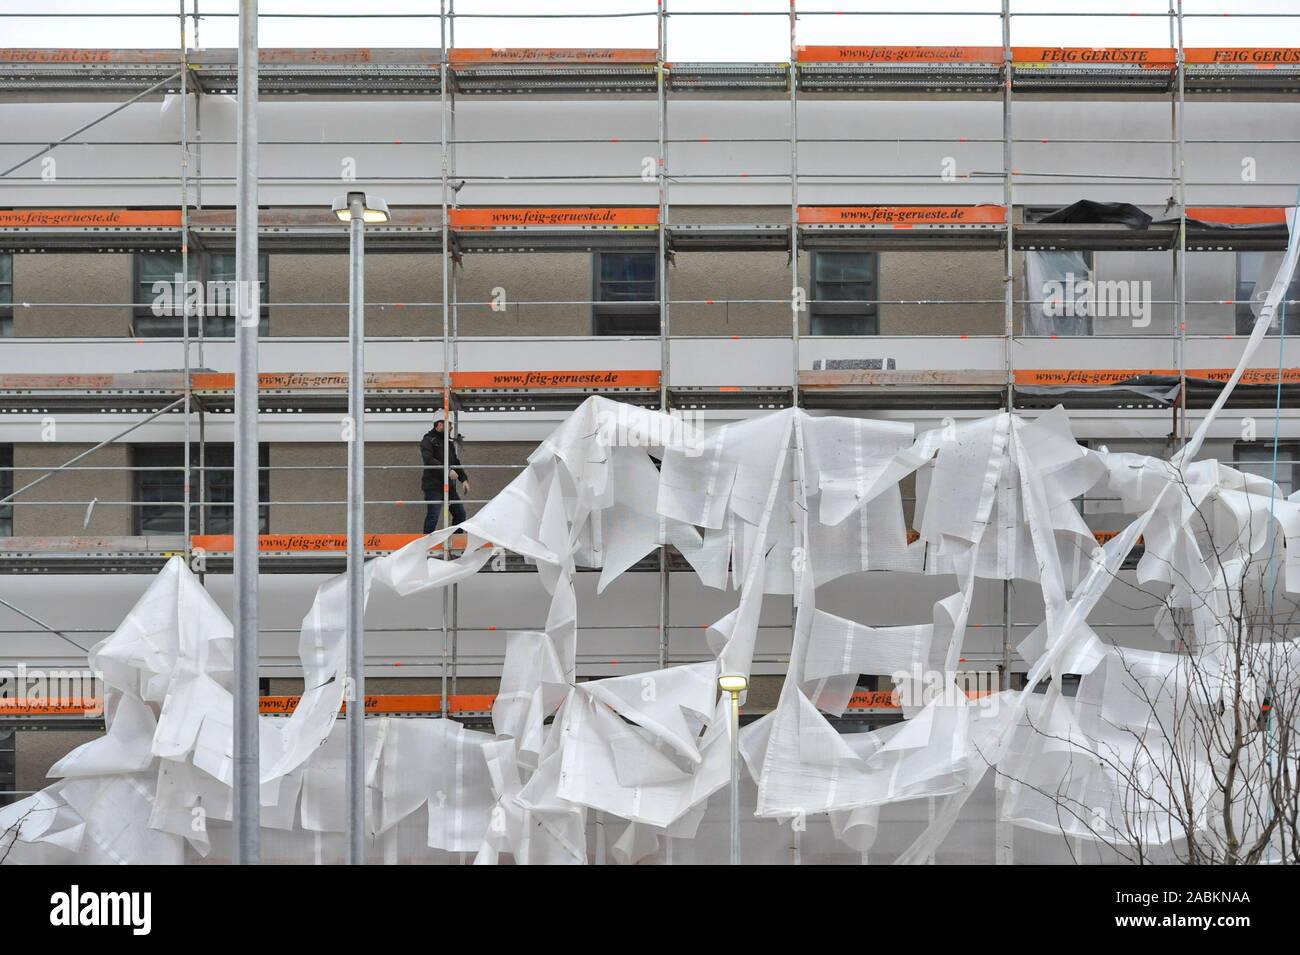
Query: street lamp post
[
  {"x": 734, "y": 684},
  {"x": 245, "y": 747},
  {"x": 356, "y": 209}
]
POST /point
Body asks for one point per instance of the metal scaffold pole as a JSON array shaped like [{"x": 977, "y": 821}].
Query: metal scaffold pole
[
  {"x": 454, "y": 300},
  {"x": 1180, "y": 244},
  {"x": 796, "y": 298},
  {"x": 185, "y": 273},
  {"x": 444, "y": 73},
  {"x": 355, "y": 753},
  {"x": 246, "y": 809},
  {"x": 665, "y": 350},
  {"x": 1005, "y": 849}
]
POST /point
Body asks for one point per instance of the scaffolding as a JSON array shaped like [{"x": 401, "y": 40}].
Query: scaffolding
[{"x": 980, "y": 373}]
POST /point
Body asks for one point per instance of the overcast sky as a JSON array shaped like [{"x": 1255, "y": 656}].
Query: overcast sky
[{"x": 764, "y": 35}]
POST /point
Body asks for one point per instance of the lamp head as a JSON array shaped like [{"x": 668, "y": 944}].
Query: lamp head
[
  {"x": 733, "y": 682},
  {"x": 373, "y": 209}
]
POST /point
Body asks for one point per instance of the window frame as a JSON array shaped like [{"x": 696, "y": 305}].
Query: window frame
[
  {"x": 866, "y": 310},
  {"x": 6, "y": 488},
  {"x": 1265, "y": 449},
  {"x": 1032, "y": 303},
  {"x": 612, "y": 311},
  {"x": 1243, "y": 317},
  {"x": 7, "y": 301},
  {"x": 214, "y": 325},
  {"x": 168, "y": 477}
]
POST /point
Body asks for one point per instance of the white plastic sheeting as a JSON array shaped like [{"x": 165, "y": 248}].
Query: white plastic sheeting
[{"x": 777, "y": 504}]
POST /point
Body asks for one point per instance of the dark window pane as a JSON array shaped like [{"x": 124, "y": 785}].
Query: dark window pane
[
  {"x": 6, "y": 295},
  {"x": 627, "y": 267},
  {"x": 844, "y": 291},
  {"x": 844, "y": 267},
  {"x": 615, "y": 322},
  {"x": 844, "y": 325},
  {"x": 161, "y": 490},
  {"x": 6, "y": 488},
  {"x": 158, "y": 311},
  {"x": 626, "y": 294}
]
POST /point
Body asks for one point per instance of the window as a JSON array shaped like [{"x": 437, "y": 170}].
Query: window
[
  {"x": 160, "y": 488},
  {"x": 157, "y": 309},
  {"x": 6, "y": 488},
  {"x": 1058, "y": 292},
  {"x": 6, "y": 295},
  {"x": 8, "y": 755},
  {"x": 843, "y": 294},
  {"x": 1255, "y": 272},
  {"x": 1256, "y": 457},
  {"x": 626, "y": 294}
]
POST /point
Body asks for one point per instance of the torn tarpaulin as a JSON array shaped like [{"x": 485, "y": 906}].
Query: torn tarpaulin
[{"x": 772, "y": 505}]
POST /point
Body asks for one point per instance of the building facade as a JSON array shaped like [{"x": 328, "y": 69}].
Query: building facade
[{"x": 843, "y": 234}]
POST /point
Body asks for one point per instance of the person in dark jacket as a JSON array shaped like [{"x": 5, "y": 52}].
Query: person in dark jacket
[{"x": 435, "y": 475}]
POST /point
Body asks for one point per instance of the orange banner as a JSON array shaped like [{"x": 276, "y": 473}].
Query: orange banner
[
  {"x": 874, "y": 700},
  {"x": 1245, "y": 56},
  {"x": 319, "y": 380},
  {"x": 1113, "y": 376},
  {"x": 888, "y": 699},
  {"x": 899, "y": 54},
  {"x": 89, "y": 56},
  {"x": 479, "y": 219},
  {"x": 393, "y": 704},
  {"x": 1105, "y": 536},
  {"x": 637, "y": 378},
  {"x": 902, "y": 217},
  {"x": 1237, "y": 215},
  {"x": 399, "y": 380},
  {"x": 1150, "y": 56},
  {"x": 87, "y": 218},
  {"x": 310, "y": 543},
  {"x": 74, "y": 706},
  {"x": 467, "y": 56}
]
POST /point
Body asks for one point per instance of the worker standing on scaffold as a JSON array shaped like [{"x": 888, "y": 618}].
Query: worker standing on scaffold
[{"x": 435, "y": 475}]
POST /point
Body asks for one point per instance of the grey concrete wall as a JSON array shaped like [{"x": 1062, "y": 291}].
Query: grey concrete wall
[
  {"x": 958, "y": 275},
  {"x": 402, "y": 279},
  {"x": 297, "y": 281},
  {"x": 308, "y": 485},
  {"x": 55, "y": 279},
  {"x": 36, "y": 514},
  {"x": 541, "y": 277},
  {"x": 392, "y": 474},
  {"x": 38, "y": 750}
]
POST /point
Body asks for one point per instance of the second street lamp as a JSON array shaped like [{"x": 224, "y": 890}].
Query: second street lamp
[
  {"x": 356, "y": 209},
  {"x": 734, "y": 684}
]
